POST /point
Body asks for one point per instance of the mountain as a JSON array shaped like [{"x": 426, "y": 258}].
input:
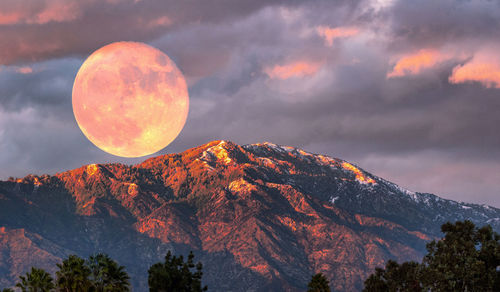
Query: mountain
[{"x": 261, "y": 217}]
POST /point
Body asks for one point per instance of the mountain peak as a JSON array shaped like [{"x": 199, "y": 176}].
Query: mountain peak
[{"x": 222, "y": 152}]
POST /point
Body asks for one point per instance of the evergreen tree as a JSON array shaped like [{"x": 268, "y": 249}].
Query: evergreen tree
[
  {"x": 466, "y": 259},
  {"x": 395, "y": 277},
  {"x": 318, "y": 283},
  {"x": 37, "y": 280},
  {"x": 176, "y": 275},
  {"x": 73, "y": 275},
  {"x": 377, "y": 282}
]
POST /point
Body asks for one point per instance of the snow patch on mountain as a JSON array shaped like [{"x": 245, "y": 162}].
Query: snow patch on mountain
[
  {"x": 333, "y": 199},
  {"x": 217, "y": 153},
  {"x": 366, "y": 186}
]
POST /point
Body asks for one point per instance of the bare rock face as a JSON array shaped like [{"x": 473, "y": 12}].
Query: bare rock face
[{"x": 260, "y": 217}]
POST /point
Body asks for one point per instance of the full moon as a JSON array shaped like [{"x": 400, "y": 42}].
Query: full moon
[{"x": 130, "y": 99}]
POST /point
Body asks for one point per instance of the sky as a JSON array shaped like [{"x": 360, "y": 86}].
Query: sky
[{"x": 407, "y": 90}]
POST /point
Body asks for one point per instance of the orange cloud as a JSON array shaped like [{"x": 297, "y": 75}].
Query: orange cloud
[
  {"x": 295, "y": 69},
  {"x": 485, "y": 72},
  {"x": 413, "y": 64},
  {"x": 329, "y": 34}
]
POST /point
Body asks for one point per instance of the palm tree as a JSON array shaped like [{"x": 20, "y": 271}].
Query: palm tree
[
  {"x": 38, "y": 280},
  {"x": 107, "y": 275},
  {"x": 73, "y": 275}
]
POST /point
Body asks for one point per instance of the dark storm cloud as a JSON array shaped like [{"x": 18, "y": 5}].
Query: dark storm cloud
[
  {"x": 54, "y": 28},
  {"x": 45, "y": 86},
  {"x": 262, "y": 72},
  {"x": 436, "y": 23}
]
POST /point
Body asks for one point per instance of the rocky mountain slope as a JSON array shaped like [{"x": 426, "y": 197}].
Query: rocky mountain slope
[{"x": 261, "y": 217}]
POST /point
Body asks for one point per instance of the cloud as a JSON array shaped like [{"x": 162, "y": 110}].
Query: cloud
[
  {"x": 429, "y": 23},
  {"x": 162, "y": 21},
  {"x": 415, "y": 63},
  {"x": 329, "y": 34},
  {"x": 24, "y": 70},
  {"x": 294, "y": 69},
  {"x": 57, "y": 28},
  {"x": 17, "y": 69},
  {"x": 40, "y": 12},
  {"x": 483, "y": 68},
  {"x": 44, "y": 86}
]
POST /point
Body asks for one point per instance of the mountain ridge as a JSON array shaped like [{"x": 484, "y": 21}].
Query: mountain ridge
[{"x": 265, "y": 216}]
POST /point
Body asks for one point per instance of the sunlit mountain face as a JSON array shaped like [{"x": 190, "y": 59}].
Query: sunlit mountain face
[{"x": 260, "y": 217}]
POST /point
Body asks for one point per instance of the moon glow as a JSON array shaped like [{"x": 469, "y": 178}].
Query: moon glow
[{"x": 130, "y": 99}]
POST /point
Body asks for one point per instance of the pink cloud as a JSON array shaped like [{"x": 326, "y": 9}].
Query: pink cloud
[
  {"x": 43, "y": 29},
  {"x": 17, "y": 69},
  {"x": 329, "y": 34},
  {"x": 41, "y": 12},
  {"x": 160, "y": 21},
  {"x": 483, "y": 68},
  {"x": 9, "y": 17},
  {"x": 24, "y": 70},
  {"x": 415, "y": 63},
  {"x": 294, "y": 69}
]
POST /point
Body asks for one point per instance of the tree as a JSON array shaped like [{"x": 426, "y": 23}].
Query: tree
[
  {"x": 37, "y": 280},
  {"x": 176, "y": 275},
  {"x": 73, "y": 275},
  {"x": 377, "y": 282},
  {"x": 395, "y": 277},
  {"x": 7, "y": 290},
  {"x": 318, "y": 283},
  {"x": 466, "y": 259},
  {"x": 106, "y": 275}
]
